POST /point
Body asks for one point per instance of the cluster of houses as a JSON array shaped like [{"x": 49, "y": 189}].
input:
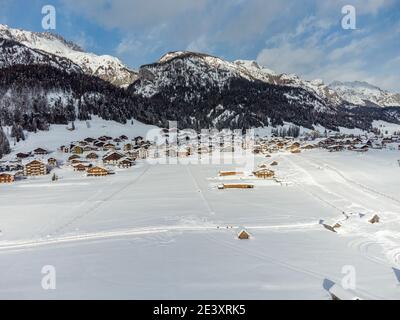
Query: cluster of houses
[
  {"x": 334, "y": 143},
  {"x": 95, "y": 157},
  {"x": 359, "y": 143}
]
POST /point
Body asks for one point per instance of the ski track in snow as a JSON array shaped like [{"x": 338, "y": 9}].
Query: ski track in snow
[
  {"x": 264, "y": 257},
  {"x": 97, "y": 204},
  {"x": 389, "y": 241},
  {"x": 27, "y": 244}
]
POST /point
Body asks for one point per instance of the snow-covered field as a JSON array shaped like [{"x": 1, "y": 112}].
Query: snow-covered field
[{"x": 167, "y": 232}]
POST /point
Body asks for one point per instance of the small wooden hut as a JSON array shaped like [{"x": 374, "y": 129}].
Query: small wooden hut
[{"x": 243, "y": 235}]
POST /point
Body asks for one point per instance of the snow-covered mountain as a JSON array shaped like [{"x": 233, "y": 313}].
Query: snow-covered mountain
[
  {"x": 245, "y": 69},
  {"x": 317, "y": 87},
  {"x": 105, "y": 67},
  {"x": 14, "y": 53},
  {"x": 363, "y": 94},
  {"x": 203, "y": 91}
]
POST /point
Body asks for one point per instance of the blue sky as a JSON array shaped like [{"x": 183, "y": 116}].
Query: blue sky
[{"x": 304, "y": 37}]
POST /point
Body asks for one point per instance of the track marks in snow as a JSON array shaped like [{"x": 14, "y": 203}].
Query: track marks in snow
[
  {"x": 97, "y": 204},
  {"x": 384, "y": 234},
  {"x": 140, "y": 232},
  {"x": 200, "y": 192},
  {"x": 247, "y": 251},
  {"x": 355, "y": 183}
]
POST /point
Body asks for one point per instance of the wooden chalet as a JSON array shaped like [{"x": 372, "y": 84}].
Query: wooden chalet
[
  {"x": 274, "y": 163},
  {"x": 64, "y": 149},
  {"x": 35, "y": 168},
  {"x": 104, "y": 138},
  {"x": 40, "y": 152},
  {"x": 52, "y": 162},
  {"x": 128, "y": 147},
  {"x": 264, "y": 173},
  {"x": 6, "y": 178},
  {"x": 335, "y": 148},
  {"x": 229, "y": 173},
  {"x": 97, "y": 172},
  {"x": 294, "y": 146},
  {"x": 92, "y": 156},
  {"x": 243, "y": 235},
  {"x": 280, "y": 145},
  {"x": 123, "y": 137},
  {"x": 77, "y": 149},
  {"x": 23, "y": 155},
  {"x": 75, "y": 161},
  {"x": 113, "y": 158},
  {"x": 80, "y": 167},
  {"x": 99, "y": 144},
  {"x": 90, "y": 140},
  {"x": 361, "y": 148},
  {"x": 144, "y": 151},
  {"x": 125, "y": 163},
  {"x": 138, "y": 139},
  {"x": 73, "y": 157},
  {"x": 109, "y": 146},
  {"x": 236, "y": 186}
]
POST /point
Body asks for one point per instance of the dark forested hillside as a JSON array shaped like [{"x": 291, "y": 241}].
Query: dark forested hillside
[
  {"x": 244, "y": 104},
  {"x": 34, "y": 96}
]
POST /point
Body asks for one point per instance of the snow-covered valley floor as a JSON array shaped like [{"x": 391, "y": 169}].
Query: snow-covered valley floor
[{"x": 167, "y": 232}]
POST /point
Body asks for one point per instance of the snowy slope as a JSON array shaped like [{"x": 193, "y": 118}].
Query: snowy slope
[
  {"x": 151, "y": 232},
  {"x": 59, "y": 135},
  {"x": 105, "y": 67},
  {"x": 14, "y": 53},
  {"x": 363, "y": 93}
]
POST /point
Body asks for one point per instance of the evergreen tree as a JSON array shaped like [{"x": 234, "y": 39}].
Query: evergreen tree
[
  {"x": 4, "y": 144},
  {"x": 17, "y": 132}
]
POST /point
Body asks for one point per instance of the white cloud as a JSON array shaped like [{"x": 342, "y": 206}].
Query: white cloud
[
  {"x": 315, "y": 52},
  {"x": 84, "y": 41},
  {"x": 287, "y": 58}
]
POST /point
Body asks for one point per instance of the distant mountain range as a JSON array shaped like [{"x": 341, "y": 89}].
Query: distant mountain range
[
  {"x": 363, "y": 94},
  {"x": 46, "y": 79}
]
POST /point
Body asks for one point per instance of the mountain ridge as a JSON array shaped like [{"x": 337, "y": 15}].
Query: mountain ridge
[
  {"x": 105, "y": 67},
  {"x": 363, "y": 93}
]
